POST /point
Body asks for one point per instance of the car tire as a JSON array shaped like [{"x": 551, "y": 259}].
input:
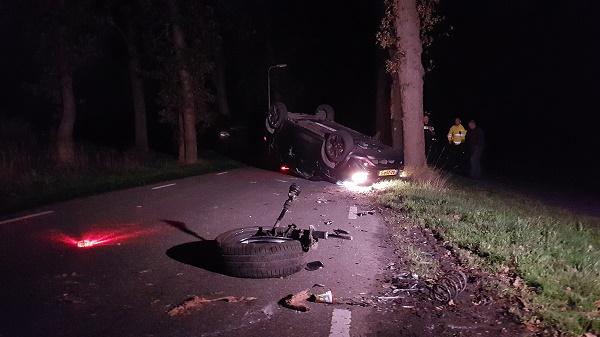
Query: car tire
[
  {"x": 326, "y": 111},
  {"x": 276, "y": 116},
  {"x": 268, "y": 259},
  {"x": 336, "y": 147}
]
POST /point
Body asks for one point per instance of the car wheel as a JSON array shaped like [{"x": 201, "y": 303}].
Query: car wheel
[
  {"x": 262, "y": 257},
  {"x": 326, "y": 111},
  {"x": 276, "y": 116},
  {"x": 336, "y": 147}
]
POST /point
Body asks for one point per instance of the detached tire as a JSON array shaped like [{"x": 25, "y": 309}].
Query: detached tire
[
  {"x": 276, "y": 116},
  {"x": 273, "y": 257}
]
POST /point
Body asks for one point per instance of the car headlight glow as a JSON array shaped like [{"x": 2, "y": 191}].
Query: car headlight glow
[{"x": 360, "y": 177}]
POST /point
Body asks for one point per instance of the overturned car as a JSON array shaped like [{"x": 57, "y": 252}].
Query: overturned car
[{"x": 316, "y": 147}]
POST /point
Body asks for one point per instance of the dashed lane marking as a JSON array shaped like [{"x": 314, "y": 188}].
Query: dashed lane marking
[
  {"x": 352, "y": 212},
  {"x": 25, "y": 217},
  {"x": 163, "y": 186},
  {"x": 340, "y": 323}
]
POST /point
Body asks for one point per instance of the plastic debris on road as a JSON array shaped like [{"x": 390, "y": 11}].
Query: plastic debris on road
[
  {"x": 197, "y": 302},
  {"x": 326, "y": 297},
  {"x": 297, "y": 301},
  {"x": 314, "y": 265}
]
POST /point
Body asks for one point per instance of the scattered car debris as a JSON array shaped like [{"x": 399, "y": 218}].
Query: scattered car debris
[
  {"x": 314, "y": 265},
  {"x": 448, "y": 287},
  {"x": 318, "y": 285},
  {"x": 340, "y": 231},
  {"x": 327, "y": 222},
  {"x": 326, "y": 297},
  {"x": 197, "y": 302},
  {"x": 297, "y": 301},
  {"x": 363, "y": 213}
]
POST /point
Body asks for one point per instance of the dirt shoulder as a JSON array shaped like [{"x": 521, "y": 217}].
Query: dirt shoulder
[{"x": 416, "y": 259}]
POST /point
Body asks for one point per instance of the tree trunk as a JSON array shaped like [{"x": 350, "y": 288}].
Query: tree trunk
[
  {"x": 221, "y": 81},
  {"x": 137, "y": 93},
  {"x": 396, "y": 115},
  {"x": 188, "y": 108},
  {"x": 382, "y": 105},
  {"x": 410, "y": 80},
  {"x": 65, "y": 146}
]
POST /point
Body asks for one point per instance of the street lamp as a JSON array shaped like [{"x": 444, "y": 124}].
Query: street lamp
[{"x": 282, "y": 65}]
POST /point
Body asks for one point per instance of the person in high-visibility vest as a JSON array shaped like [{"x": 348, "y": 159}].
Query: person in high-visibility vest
[
  {"x": 457, "y": 133},
  {"x": 456, "y": 138}
]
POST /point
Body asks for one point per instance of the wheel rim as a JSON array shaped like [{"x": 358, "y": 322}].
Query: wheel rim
[
  {"x": 334, "y": 148},
  {"x": 264, "y": 239}
]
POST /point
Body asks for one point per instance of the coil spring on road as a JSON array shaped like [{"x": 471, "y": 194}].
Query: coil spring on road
[{"x": 448, "y": 287}]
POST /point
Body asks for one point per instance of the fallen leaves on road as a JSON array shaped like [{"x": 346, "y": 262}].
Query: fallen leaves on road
[
  {"x": 197, "y": 302},
  {"x": 296, "y": 301}
]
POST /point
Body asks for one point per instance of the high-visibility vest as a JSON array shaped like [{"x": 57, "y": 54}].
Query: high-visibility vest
[{"x": 457, "y": 134}]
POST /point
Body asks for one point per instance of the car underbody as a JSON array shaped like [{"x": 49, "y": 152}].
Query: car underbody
[{"x": 315, "y": 147}]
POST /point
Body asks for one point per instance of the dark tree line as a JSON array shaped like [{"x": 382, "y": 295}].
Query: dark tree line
[
  {"x": 176, "y": 45},
  {"x": 177, "y": 60}
]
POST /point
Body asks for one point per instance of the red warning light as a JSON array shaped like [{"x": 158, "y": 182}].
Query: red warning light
[
  {"x": 101, "y": 237},
  {"x": 284, "y": 168},
  {"x": 88, "y": 243}
]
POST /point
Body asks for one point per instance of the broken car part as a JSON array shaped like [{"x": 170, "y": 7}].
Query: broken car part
[
  {"x": 255, "y": 252},
  {"x": 314, "y": 265},
  {"x": 448, "y": 287}
]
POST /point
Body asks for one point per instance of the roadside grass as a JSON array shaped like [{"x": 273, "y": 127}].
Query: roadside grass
[
  {"x": 30, "y": 182},
  {"x": 555, "y": 252}
]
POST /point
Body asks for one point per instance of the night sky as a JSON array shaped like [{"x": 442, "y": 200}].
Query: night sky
[{"x": 526, "y": 70}]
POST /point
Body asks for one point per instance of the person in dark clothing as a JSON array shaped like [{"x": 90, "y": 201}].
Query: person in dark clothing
[
  {"x": 430, "y": 140},
  {"x": 475, "y": 143}
]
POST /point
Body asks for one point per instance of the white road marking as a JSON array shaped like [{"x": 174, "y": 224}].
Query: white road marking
[
  {"x": 163, "y": 186},
  {"x": 222, "y": 173},
  {"x": 29, "y": 216},
  {"x": 281, "y": 181},
  {"x": 352, "y": 212},
  {"x": 340, "y": 323}
]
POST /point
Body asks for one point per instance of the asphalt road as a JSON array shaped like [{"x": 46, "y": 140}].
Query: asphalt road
[{"x": 155, "y": 257}]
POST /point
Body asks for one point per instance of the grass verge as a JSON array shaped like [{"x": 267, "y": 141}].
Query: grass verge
[
  {"x": 556, "y": 253},
  {"x": 34, "y": 188}
]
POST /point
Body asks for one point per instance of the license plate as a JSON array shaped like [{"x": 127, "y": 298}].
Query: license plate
[{"x": 385, "y": 173}]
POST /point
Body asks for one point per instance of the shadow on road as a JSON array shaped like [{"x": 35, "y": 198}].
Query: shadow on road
[
  {"x": 183, "y": 227},
  {"x": 202, "y": 254}
]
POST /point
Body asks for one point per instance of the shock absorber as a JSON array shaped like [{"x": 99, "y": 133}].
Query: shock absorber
[{"x": 292, "y": 194}]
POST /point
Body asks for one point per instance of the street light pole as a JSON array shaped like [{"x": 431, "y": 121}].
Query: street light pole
[{"x": 282, "y": 65}]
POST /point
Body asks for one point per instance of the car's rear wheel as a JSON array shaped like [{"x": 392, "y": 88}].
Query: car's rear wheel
[
  {"x": 325, "y": 111},
  {"x": 276, "y": 116},
  {"x": 336, "y": 147},
  {"x": 243, "y": 255}
]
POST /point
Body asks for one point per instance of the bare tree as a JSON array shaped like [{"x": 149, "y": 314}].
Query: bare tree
[
  {"x": 220, "y": 79},
  {"x": 137, "y": 90},
  {"x": 188, "y": 151},
  {"x": 65, "y": 146},
  {"x": 410, "y": 80},
  {"x": 405, "y": 28}
]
